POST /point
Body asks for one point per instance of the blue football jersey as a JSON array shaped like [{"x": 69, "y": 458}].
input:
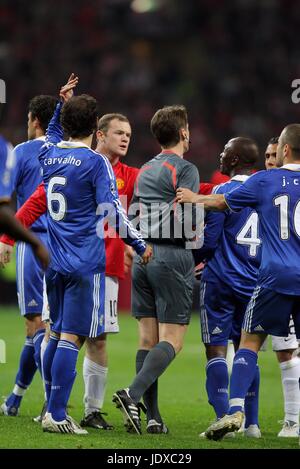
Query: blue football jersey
[
  {"x": 28, "y": 175},
  {"x": 232, "y": 244},
  {"x": 275, "y": 195},
  {"x": 7, "y": 168},
  {"x": 81, "y": 189}
]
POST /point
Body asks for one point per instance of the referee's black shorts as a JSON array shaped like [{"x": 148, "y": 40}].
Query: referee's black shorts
[{"x": 163, "y": 289}]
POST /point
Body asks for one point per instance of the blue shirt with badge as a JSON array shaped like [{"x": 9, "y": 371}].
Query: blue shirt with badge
[
  {"x": 275, "y": 195},
  {"x": 232, "y": 244},
  {"x": 81, "y": 190}
]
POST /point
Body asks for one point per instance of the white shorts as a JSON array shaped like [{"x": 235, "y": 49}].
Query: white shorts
[
  {"x": 45, "y": 309},
  {"x": 111, "y": 305}
]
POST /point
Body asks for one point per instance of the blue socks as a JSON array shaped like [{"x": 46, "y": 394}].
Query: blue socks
[
  {"x": 217, "y": 385},
  {"x": 63, "y": 374},
  {"x": 27, "y": 369},
  {"x": 37, "y": 340},
  {"x": 243, "y": 374},
  {"x": 47, "y": 364},
  {"x": 251, "y": 401}
]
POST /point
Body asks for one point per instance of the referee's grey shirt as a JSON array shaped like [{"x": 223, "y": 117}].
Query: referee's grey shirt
[{"x": 160, "y": 217}]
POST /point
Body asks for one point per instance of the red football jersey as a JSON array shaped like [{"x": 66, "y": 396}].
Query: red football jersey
[{"x": 114, "y": 246}]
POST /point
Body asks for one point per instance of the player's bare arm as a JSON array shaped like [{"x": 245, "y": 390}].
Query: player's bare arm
[{"x": 210, "y": 202}]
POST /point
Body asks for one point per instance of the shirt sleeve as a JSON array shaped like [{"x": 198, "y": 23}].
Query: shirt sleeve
[
  {"x": 7, "y": 170},
  {"x": 18, "y": 167},
  {"x": 54, "y": 132},
  {"x": 33, "y": 208},
  {"x": 247, "y": 194},
  {"x": 109, "y": 205},
  {"x": 190, "y": 216},
  {"x": 189, "y": 178}
]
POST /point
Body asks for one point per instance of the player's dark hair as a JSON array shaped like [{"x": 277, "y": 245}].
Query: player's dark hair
[
  {"x": 105, "y": 120},
  {"x": 42, "y": 108},
  {"x": 79, "y": 116},
  {"x": 291, "y": 136},
  {"x": 166, "y": 123},
  {"x": 273, "y": 141},
  {"x": 247, "y": 151}
]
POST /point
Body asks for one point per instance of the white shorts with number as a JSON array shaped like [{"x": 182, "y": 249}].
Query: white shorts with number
[{"x": 111, "y": 304}]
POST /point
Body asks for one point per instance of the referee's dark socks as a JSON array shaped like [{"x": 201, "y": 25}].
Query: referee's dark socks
[
  {"x": 150, "y": 397},
  {"x": 155, "y": 363}
]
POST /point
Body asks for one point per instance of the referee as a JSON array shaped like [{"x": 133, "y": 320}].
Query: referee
[{"x": 162, "y": 290}]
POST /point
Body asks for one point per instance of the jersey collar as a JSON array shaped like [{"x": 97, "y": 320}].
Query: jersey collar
[
  {"x": 240, "y": 177},
  {"x": 68, "y": 144},
  {"x": 43, "y": 138},
  {"x": 291, "y": 166}
]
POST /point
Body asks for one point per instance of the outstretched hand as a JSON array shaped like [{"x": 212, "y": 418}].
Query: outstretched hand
[
  {"x": 184, "y": 195},
  {"x": 66, "y": 92}
]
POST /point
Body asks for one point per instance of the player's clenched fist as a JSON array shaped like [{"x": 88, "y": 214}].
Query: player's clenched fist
[
  {"x": 184, "y": 195},
  {"x": 146, "y": 257}
]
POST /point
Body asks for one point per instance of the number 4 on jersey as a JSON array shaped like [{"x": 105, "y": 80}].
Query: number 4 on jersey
[{"x": 248, "y": 235}]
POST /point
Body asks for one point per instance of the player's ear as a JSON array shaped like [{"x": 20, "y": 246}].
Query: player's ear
[
  {"x": 100, "y": 135},
  {"x": 286, "y": 149},
  {"x": 36, "y": 123},
  {"x": 235, "y": 160}
]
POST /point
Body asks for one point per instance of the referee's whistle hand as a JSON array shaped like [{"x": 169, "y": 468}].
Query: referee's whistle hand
[
  {"x": 146, "y": 257},
  {"x": 184, "y": 195}
]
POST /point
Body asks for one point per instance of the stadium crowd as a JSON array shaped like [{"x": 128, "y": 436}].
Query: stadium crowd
[{"x": 231, "y": 85}]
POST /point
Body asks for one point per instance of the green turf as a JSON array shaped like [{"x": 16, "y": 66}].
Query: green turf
[{"x": 183, "y": 401}]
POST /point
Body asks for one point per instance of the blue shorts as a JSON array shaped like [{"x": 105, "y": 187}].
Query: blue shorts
[
  {"x": 222, "y": 312},
  {"x": 29, "y": 278},
  {"x": 76, "y": 303},
  {"x": 270, "y": 312}
]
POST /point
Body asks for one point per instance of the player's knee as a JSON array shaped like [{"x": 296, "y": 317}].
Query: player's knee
[
  {"x": 147, "y": 343},
  {"x": 33, "y": 324},
  {"x": 96, "y": 345},
  {"x": 284, "y": 355},
  {"x": 215, "y": 351}
]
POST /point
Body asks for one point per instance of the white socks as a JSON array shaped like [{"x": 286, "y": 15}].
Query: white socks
[
  {"x": 95, "y": 377},
  {"x": 290, "y": 374},
  {"x": 42, "y": 352}
]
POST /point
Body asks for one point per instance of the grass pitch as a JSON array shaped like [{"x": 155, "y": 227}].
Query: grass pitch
[{"x": 182, "y": 397}]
